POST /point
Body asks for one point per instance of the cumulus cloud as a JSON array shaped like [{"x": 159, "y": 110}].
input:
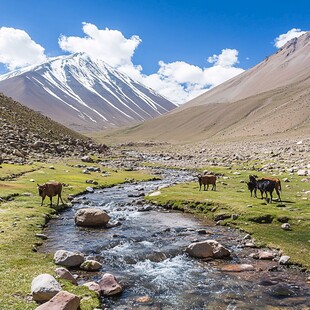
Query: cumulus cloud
[
  {"x": 180, "y": 81},
  {"x": 283, "y": 38},
  {"x": 17, "y": 49},
  {"x": 106, "y": 44}
]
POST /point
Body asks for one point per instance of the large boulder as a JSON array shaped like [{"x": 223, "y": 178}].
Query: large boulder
[
  {"x": 200, "y": 250},
  {"x": 207, "y": 249},
  {"x": 62, "y": 301},
  {"x": 44, "y": 287},
  {"x": 91, "y": 217},
  {"x": 109, "y": 285},
  {"x": 68, "y": 259}
]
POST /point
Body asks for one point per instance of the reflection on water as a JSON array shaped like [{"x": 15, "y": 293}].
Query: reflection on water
[{"x": 146, "y": 254}]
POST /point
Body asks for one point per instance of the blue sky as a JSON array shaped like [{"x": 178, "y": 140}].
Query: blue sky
[{"x": 183, "y": 35}]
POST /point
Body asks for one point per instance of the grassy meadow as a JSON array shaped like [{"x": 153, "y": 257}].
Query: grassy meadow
[
  {"x": 22, "y": 216},
  {"x": 255, "y": 216}
]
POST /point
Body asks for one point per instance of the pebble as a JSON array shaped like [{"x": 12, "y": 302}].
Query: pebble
[
  {"x": 284, "y": 260},
  {"x": 286, "y": 226}
]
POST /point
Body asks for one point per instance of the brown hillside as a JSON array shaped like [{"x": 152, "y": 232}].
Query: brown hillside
[
  {"x": 24, "y": 133},
  {"x": 271, "y": 99}
]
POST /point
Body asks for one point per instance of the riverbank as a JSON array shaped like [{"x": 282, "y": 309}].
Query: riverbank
[
  {"x": 288, "y": 160},
  {"x": 231, "y": 205},
  {"x": 22, "y": 217}
]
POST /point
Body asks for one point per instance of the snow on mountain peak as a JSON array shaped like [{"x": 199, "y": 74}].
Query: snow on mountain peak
[{"x": 88, "y": 94}]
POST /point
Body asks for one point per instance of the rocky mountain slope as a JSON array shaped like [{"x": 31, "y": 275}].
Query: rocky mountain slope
[
  {"x": 26, "y": 134},
  {"x": 83, "y": 94},
  {"x": 272, "y": 98}
]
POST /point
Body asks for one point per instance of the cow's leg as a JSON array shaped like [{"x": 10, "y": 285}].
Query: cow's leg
[
  {"x": 278, "y": 193},
  {"x": 59, "y": 196},
  {"x": 51, "y": 202},
  {"x": 43, "y": 197}
]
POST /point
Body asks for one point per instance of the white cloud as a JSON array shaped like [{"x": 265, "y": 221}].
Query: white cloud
[
  {"x": 17, "y": 49},
  {"x": 109, "y": 45},
  {"x": 283, "y": 38},
  {"x": 180, "y": 81},
  {"x": 227, "y": 58}
]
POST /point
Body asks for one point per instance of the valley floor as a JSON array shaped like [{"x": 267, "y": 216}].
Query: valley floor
[{"x": 22, "y": 217}]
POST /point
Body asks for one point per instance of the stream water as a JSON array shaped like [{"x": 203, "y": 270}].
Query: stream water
[{"x": 146, "y": 255}]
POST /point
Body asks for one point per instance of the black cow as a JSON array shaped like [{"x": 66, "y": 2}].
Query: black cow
[
  {"x": 266, "y": 186},
  {"x": 252, "y": 188}
]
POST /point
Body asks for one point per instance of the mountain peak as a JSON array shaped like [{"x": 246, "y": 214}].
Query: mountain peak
[{"x": 83, "y": 93}]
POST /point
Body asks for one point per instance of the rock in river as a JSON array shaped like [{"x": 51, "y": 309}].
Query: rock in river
[
  {"x": 91, "y": 217},
  {"x": 208, "y": 248},
  {"x": 109, "y": 285},
  {"x": 90, "y": 265},
  {"x": 68, "y": 259}
]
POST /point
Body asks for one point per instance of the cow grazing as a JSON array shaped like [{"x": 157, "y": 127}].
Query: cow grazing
[
  {"x": 207, "y": 180},
  {"x": 50, "y": 189}
]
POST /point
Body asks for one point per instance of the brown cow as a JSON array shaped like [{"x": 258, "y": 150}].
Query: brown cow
[
  {"x": 206, "y": 180},
  {"x": 50, "y": 189}
]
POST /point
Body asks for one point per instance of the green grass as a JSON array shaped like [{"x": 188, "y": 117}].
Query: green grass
[
  {"x": 21, "y": 217},
  {"x": 234, "y": 198}
]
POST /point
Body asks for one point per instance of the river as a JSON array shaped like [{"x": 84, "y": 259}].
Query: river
[{"x": 146, "y": 255}]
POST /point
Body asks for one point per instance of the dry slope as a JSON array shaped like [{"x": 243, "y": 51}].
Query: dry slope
[
  {"x": 272, "y": 98},
  {"x": 24, "y": 132}
]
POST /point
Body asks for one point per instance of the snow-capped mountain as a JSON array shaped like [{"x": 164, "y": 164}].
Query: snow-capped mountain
[{"x": 83, "y": 94}]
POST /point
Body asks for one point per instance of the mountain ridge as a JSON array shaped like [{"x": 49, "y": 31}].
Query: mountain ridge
[
  {"x": 84, "y": 94},
  {"x": 284, "y": 60}
]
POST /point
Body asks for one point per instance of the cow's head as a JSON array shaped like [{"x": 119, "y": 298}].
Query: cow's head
[{"x": 41, "y": 189}]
